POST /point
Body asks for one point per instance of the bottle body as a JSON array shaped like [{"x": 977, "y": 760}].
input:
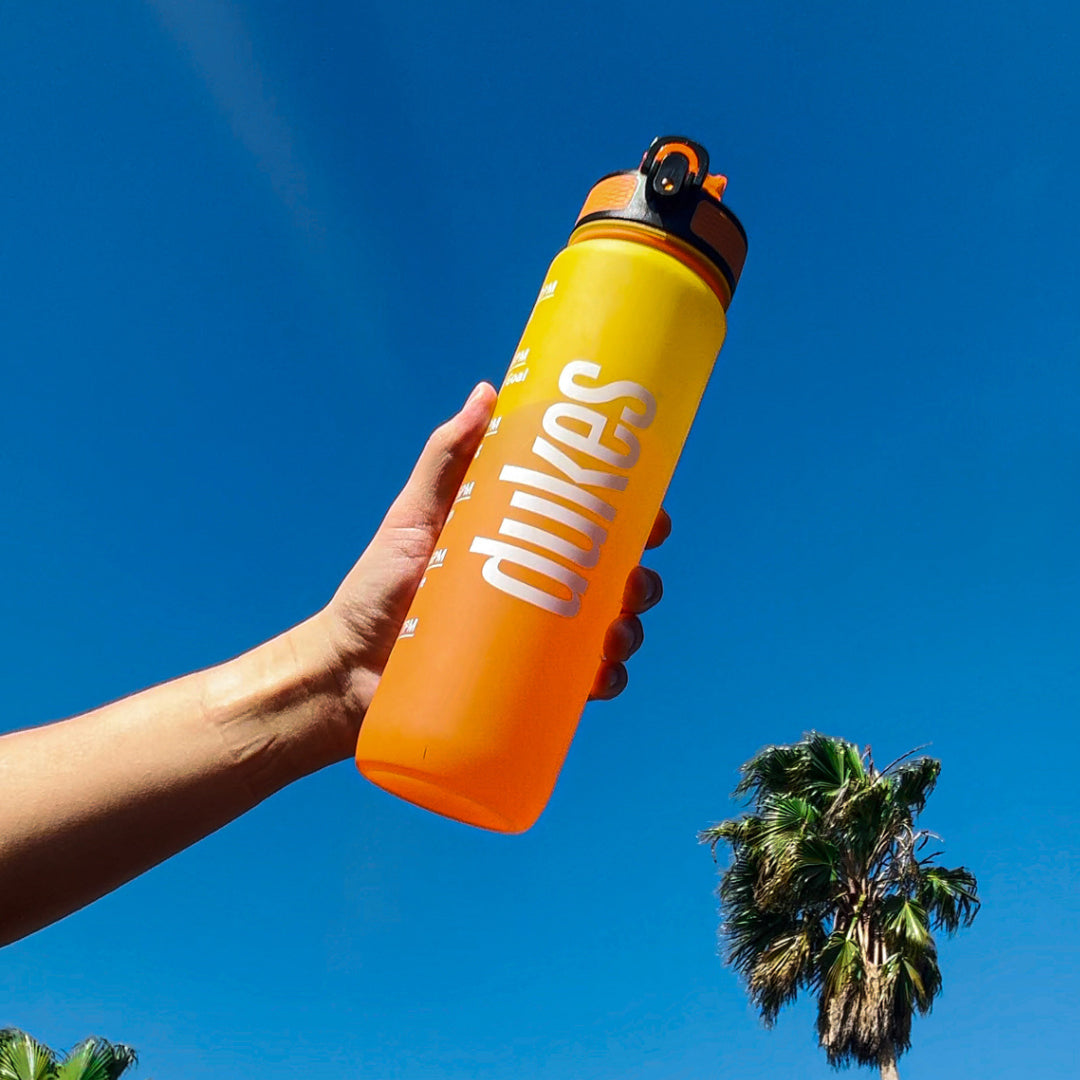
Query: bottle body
[{"x": 484, "y": 689}]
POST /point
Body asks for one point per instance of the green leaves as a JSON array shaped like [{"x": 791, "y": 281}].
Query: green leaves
[
  {"x": 825, "y": 892},
  {"x": 819, "y": 764},
  {"x": 787, "y": 814},
  {"x": 779, "y": 970},
  {"x": 914, "y": 781},
  {"x": 840, "y": 964},
  {"x": 949, "y": 896},
  {"x": 913, "y": 981},
  {"x": 820, "y": 861},
  {"x": 904, "y": 920},
  {"x": 83, "y": 1064},
  {"x": 776, "y": 770},
  {"x": 96, "y": 1059},
  {"x": 23, "y": 1058},
  {"x": 735, "y": 831},
  {"x": 833, "y": 765}
]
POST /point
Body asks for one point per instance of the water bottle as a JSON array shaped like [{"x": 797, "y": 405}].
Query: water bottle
[{"x": 485, "y": 685}]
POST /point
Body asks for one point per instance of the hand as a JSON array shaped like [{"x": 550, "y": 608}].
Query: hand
[
  {"x": 368, "y": 609},
  {"x": 94, "y": 800},
  {"x": 625, "y": 635}
]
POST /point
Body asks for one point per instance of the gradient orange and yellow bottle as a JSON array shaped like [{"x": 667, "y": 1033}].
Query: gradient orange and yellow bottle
[{"x": 485, "y": 686}]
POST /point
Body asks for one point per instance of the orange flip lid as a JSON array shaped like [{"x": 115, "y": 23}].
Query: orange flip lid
[{"x": 672, "y": 191}]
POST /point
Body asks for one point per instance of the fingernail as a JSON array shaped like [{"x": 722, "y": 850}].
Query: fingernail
[
  {"x": 478, "y": 392},
  {"x": 613, "y": 678},
  {"x": 655, "y": 589}
]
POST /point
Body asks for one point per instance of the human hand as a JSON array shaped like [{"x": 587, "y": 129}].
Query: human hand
[
  {"x": 108, "y": 794},
  {"x": 626, "y": 634},
  {"x": 366, "y": 613}
]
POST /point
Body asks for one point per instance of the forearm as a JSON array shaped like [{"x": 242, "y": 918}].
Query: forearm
[{"x": 89, "y": 803}]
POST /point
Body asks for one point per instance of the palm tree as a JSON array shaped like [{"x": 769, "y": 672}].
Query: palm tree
[
  {"x": 828, "y": 892},
  {"x": 22, "y": 1057}
]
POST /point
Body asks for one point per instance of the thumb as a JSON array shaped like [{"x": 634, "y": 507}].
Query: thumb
[
  {"x": 374, "y": 598},
  {"x": 419, "y": 512}
]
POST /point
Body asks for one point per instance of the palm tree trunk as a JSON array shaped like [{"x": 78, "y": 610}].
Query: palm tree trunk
[{"x": 887, "y": 1062}]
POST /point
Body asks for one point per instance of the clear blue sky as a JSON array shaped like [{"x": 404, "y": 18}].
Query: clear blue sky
[{"x": 223, "y": 339}]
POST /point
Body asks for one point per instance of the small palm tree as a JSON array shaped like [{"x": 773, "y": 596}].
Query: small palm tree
[
  {"x": 22, "y": 1057},
  {"x": 828, "y": 892}
]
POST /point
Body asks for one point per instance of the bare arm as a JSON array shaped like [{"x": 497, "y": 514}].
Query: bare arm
[{"x": 89, "y": 803}]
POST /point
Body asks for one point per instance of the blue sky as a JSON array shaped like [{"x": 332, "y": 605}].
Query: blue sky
[{"x": 224, "y": 339}]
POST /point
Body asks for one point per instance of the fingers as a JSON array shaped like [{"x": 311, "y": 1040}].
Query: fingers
[
  {"x": 625, "y": 635},
  {"x": 610, "y": 682},
  {"x": 623, "y": 638},
  {"x": 372, "y": 601},
  {"x": 644, "y": 588},
  {"x": 661, "y": 529},
  {"x": 425, "y": 500}
]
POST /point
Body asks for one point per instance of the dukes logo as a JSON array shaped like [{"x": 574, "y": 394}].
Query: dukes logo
[{"x": 606, "y": 440}]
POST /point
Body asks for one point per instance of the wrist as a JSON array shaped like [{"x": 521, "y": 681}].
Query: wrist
[{"x": 282, "y": 708}]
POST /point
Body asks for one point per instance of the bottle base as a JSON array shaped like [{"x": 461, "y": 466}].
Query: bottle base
[{"x": 418, "y": 789}]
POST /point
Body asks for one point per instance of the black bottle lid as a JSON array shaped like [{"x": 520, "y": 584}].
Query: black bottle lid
[{"x": 672, "y": 192}]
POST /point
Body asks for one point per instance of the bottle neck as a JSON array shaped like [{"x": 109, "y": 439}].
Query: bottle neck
[{"x": 659, "y": 240}]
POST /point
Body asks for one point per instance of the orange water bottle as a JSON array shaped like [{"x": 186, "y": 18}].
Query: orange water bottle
[{"x": 486, "y": 683}]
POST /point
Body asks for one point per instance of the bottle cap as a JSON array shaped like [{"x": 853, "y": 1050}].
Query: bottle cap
[{"x": 672, "y": 191}]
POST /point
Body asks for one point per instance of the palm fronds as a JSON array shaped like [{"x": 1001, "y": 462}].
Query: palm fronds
[
  {"x": 827, "y": 892},
  {"x": 22, "y": 1057}
]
